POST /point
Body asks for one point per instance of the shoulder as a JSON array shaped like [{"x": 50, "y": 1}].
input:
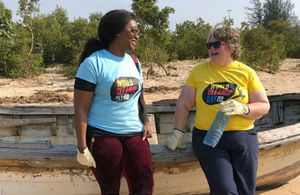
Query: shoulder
[
  {"x": 243, "y": 66},
  {"x": 94, "y": 57},
  {"x": 201, "y": 66}
]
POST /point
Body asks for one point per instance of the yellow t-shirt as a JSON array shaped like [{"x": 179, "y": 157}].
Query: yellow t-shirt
[{"x": 215, "y": 84}]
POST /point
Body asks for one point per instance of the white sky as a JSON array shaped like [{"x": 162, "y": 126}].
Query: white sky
[{"x": 211, "y": 12}]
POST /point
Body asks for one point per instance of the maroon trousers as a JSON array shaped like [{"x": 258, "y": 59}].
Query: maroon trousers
[{"x": 127, "y": 156}]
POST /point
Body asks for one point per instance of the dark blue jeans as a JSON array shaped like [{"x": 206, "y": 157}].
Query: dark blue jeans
[{"x": 230, "y": 167}]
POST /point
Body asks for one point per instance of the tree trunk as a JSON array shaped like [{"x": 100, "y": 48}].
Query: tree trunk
[{"x": 166, "y": 72}]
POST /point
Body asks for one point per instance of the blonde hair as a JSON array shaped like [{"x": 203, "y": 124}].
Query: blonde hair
[{"x": 228, "y": 35}]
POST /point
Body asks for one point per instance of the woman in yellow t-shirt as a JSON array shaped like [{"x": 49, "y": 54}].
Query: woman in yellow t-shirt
[{"x": 227, "y": 85}]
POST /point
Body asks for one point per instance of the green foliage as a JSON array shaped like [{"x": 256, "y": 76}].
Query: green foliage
[
  {"x": 271, "y": 10},
  {"x": 190, "y": 39},
  {"x": 41, "y": 40},
  {"x": 255, "y": 14},
  {"x": 150, "y": 53},
  {"x": 17, "y": 61},
  {"x": 44, "y": 28},
  {"x": 292, "y": 42},
  {"x": 65, "y": 47},
  {"x": 277, "y": 10},
  {"x": 79, "y": 31},
  {"x": 27, "y": 8},
  {"x": 228, "y": 21},
  {"x": 69, "y": 71},
  {"x": 153, "y": 25},
  {"x": 262, "y": 49},
  {"x": 5, "y": 23}
]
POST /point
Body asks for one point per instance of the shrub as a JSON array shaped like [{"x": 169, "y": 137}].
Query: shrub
[
  {"x": 69, "y": 71},
  {"x": 262, "y": 49}
]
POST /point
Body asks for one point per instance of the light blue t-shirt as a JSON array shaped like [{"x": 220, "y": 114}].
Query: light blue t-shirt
[{"x": 114, "y": 107}]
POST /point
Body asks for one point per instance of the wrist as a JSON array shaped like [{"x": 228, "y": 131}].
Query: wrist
[
  {"x": 247, "y": 109},
  {"x": 81, "y": 149},
  {"x": 178, "y": 130}
]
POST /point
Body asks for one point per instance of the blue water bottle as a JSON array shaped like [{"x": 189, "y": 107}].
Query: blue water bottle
[{"x": 216, "y": 130}]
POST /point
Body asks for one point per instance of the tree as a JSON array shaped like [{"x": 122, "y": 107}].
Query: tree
[
  {"x": 5, "y": 23},
  {"x": 190, "y": 39},
  {"x": 154, "y": 33},
  {"x": 26, "y": 10},
  {"x": 6, "y": 37},
  {"x": 278, "y": 10},
  {"x": 255, "y": 14},
  {"x": 262, "y": 49},
  {"x": 228, "y": 22},
  {"x": 270, "y": 10}
]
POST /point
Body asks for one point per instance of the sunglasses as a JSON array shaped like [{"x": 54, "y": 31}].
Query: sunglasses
[{"x": 216, "y": 44}]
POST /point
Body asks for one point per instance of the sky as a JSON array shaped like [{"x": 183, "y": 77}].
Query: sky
[{"x": 211, "y": 12}]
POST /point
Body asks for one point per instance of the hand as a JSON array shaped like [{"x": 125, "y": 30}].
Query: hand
[
  {"x": 86, "y": 158},
  {"x": 175, "y": 140},
  {"x": 233, "y": 107},
  {"x": 147, "y": 131}
]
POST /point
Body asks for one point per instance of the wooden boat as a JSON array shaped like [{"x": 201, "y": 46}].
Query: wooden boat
[{"x": 37, "y": 151}]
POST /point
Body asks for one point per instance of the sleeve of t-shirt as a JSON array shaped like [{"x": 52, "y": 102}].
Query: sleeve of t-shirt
[
  {"x": 191, "y": 79},
  {"x": 87, "y": 71},
  {"x": 254, "y": 82}
]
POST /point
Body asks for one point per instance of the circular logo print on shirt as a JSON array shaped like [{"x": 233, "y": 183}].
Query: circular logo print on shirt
[
  {"x": 221, "y": 91},
  {"x": 124, "y": 88}
]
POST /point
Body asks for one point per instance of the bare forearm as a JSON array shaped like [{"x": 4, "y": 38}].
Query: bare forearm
[
  {"x": 80, "y": 127},
  {"x": 180, "y": 116},
  {"x": 185, "y": 103},
  {"x": 144, "y": 114},
  {"x": 257, "y": 110},
  {"x": 82, "y": 100}
]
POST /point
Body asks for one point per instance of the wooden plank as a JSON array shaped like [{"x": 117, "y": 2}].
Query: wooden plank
[
  {"x": 279, "y": 134},
  {"x": 37, "y": 110},
  {"x": 24, "y": 122},
  {"x": 274, "y": 109},
  {"x": 152, "y": 140},
  {"x": 55, "y": 153},
  {"x": 26, "y": 144},
  {"x": 284, "y": 97},
  {"x": 280, "y": 111},
  {"x": 69, "y": 110},
  {"x": 160, "y": 154}
]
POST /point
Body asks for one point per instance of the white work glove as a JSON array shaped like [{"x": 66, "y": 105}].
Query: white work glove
[
  {"x": 86, "y": 158},
  {"x": 233, "y": 107},
  {"x": 175, "y": 140}
]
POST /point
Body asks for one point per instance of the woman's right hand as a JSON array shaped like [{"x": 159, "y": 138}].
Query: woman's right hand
[
  {"x": 175, "y": 140},
  {"x": 86, "y": 158}
]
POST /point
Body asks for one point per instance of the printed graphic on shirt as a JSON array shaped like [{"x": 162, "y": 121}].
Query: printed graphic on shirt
[
  {"x": 123, "y": 89},
  {"x": 217, "y": 92}
]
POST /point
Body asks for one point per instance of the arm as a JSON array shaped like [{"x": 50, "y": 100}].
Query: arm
[
  {"x": 258, "y": 105},
  {"x": 82, "y": 101},
  {"x": 147, "y": 127},
  {"x": 185, "y": 103}
]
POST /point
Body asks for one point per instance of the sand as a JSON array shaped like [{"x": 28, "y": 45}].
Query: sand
[{"x": 53, "y": 88}]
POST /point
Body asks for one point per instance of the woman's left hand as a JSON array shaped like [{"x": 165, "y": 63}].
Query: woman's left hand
[
  {"x": 233, "y": 107},
  {"x": 147, "y": 131}
]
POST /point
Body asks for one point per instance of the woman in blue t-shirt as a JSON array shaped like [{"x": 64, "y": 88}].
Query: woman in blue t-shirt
[{"x": 111, "y": 136}]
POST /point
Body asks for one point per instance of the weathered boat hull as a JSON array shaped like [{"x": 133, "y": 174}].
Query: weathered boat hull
[
  {"x": 50, "y": 167},
  {"x": 56, "y": 171}
]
